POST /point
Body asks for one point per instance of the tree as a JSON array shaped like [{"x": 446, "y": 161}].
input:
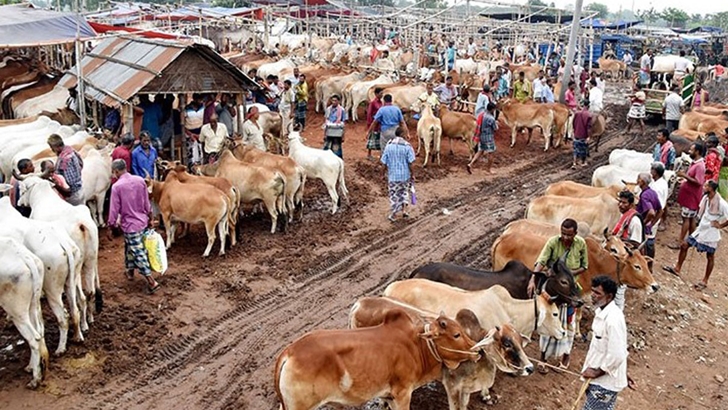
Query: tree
[
  {"x": 718, "y": 20},
  {"x": 602, "y": 10},
  {"x": 536, "y": 3},
  {"x": 649, "y": 16},
  {"x": 675, "y": 17},
  {"x": 696, "y": 18}
]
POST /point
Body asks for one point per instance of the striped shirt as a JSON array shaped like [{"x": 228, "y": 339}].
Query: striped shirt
[
  {"x": 397, "y": 156},
  {"x": 69, "y": 166}
]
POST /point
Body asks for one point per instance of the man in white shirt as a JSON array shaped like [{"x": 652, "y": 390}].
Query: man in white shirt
[
  {"x": 596, "y": 98},
  {"x": 645, "y": 68},
  {"x": 472, "y": 48},
  {"x": 605, "y": 365},
  {"x": 629, "y": 230},
  {"x": 671, "y": 109},
  {"x": 681, "y": 67},
  {"x": 538, "y": 87},
  {"x": 627, "y": 60},
  {"x": 660, "y": 186},
  {"x": 288, "y": 100},
  {"x": 601, "y": 83},
  {"x": 212, "y": 136}
]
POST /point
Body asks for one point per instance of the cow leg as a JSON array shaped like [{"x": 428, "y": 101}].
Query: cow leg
[
  {"x": 169, "y": 228},
  {"x": 222, "y": 228},
  {"x": 53, "y": 296},
  {"x": 451, "y": 151},
  {"x": 82, "y": 307},
  {"x": 270, "y": 205},
  {"x": 513, "y": 136},
  {"x": 546, "y": 136},
  {"x": 72, "y": 296},
  {"x": 427, "y": 155},
  {"x": 34, "y": 339},
  {"x": 401, "y": 400},
  {"x": 210, "y": 228},
  {"x": 334, "y": 196},
  {"x": 100, "y": 199},
  {"x": 437, "y": 142}
]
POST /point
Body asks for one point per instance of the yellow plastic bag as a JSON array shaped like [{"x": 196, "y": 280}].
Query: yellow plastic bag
[{"x": 156, "y": 252}]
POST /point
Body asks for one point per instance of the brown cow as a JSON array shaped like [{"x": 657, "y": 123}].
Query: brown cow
[
  {"x": 703, "y": 123},
  {"x": 460, "y": 125},
  {"x": 599, "y": 212},
  {"x": 523, "y": 241},
  {"x": 518, "y": 116},
  {"x": 351, "y": 367},
  {"x": 614, "y": 67},
  {"x": 562, "y": 116},
  {"x": 576, "y": 190},
  {"x": 295, "y": 175},
  {"x": 192, "y": 203},
  {"x": 689, "y": 134},
  {"x": 530, "y": 71},
  {"x": 253, "y": 183},
  {"x": 715, "y": 111}
]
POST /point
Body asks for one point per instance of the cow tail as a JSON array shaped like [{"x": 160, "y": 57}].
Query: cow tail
[
  {"x": 36, "y": 315},
  {"x": 298, "y": 195},
  {"x": 71, "y": 280},
  {"x": 493, "y": 250},
  {"x": 281, "y": 197},
  {"x": 280, "y": 362},
  {"x": 342, "y": 183}
]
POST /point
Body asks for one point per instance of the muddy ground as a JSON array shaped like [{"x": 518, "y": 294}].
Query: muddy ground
[{"x": 208, "y": 339}]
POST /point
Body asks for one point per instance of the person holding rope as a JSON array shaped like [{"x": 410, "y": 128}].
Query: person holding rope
[
  {"x": 605, "y": 366},
  {"x": 572, "y": 248}
]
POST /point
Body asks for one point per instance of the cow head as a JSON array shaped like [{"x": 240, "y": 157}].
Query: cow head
[
  {"x": 447, "y": 341},
  {"x": 563, "y": 285},
  {"x": 503, "y": 346},
  {"x": 548, "y": 322},
  {"x": 30, "y": 184},
  {"x": 632, "y": 269}
]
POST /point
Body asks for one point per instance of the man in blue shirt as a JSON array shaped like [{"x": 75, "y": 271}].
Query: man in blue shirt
[
  {"x": 144, "y": 157},
  {"x": 398, "y": 156},
  {"x": 547, "y": 94},
  {"x": 388, "y": 118},
  {"x": 151, "y": 119},
  {"x": 450, "y": 53}
]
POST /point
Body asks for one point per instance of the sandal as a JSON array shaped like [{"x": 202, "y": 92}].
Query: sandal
[
  {"x": 151, "y": 291},
  {"x": 405, "y": 215},
  {"x": 700, "y": 286},
  {"x": 671, "y": 269},
  {"x": 542, "y": 368},
  {"x": 391, "y": 218}
]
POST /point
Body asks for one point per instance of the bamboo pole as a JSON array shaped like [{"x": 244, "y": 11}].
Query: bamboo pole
[{"x": 575, "y": 24}]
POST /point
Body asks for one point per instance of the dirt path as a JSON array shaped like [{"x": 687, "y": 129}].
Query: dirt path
[{"x": 210, "y": 339}]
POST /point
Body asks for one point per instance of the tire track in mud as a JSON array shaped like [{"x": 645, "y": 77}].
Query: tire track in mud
[{"x": 239, "y": 347}]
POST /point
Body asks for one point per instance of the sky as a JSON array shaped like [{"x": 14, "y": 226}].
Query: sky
[{"x": 693, "y": 6}]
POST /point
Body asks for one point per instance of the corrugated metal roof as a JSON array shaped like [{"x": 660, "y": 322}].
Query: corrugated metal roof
[{"x": 119, "y": 67}]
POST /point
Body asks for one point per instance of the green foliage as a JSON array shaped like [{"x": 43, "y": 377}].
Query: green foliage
[
  {"x": 536, "y": 3},
  {"x": 602, "y": 10},
  {"x": 718, "y": 20},
  {"x": 649, "y": 16},
  {"x": 6, "y": 2},
  {"x": 675, "y": 17}
]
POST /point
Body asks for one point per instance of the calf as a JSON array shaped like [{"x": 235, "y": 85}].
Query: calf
[
  {"x": 458, "y": 125},
  {"x": 350, "y": 367},
  {"x": 192, "y": 203},
  {"x": 429, "y": 131},
  {"x": 21, "y": 280},
  {"x": 320, "y": 164},
  {"x": 518, "y": 116}
]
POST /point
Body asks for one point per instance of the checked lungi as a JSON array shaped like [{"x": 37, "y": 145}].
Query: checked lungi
[
  {"x": 599, "y": 398},
  {"x": 299, "y": 114},
  {"x": 136, "y": 254},
  {"x": 552, "y": 347},
  {"x": 373, "y": 141},
  {"x": 581, "y": 148},
  {"x": 398, "y": 195}
]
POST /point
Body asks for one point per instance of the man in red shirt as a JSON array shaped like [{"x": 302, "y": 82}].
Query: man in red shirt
[
  {"x": 691, "y": 191},
  {"x": 373, "y": 137},
  {"x": 713, "y": 158},
  {"x": 123, "y": 151},
  {"x": 582, "y": 130}
]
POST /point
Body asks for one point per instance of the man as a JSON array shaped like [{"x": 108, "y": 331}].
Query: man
[
  {"x": 538, "y": 87},
  {"x": 691, "y": 190},
  {"x": 301, "y": 91},
  {"x": 664, "y": 151},
  {"x": 503, "y": 87},
  {"x": 570, "y": 97},
  {"x": 387, "y": 119},
  {"x": 649, "y": 209},
  {"x": 398, "y": 156},
  {"x": 630, "y": 230},
  {"x": 573, "y": 249},
  {"x": 521, "y": 88},
  {"x": 123, "y": 151},
  {"x": 547, "y": 93},
  {"x": 601, "y": 84},
  {"x": 151, "y": 119},
  {"x": 373, "y": 136},
  {"x": 645, "y": 68},
  {"x": 446, "y": 92},
  {"x": 596, "y": 98},
  {"x": 335, "y": 116},
  {"x": 682, "y": 65},
  {"x": 273, "y": 93},
  {"x": 226, "y": 111},
  {"x": 481, "y": 104},
  {"x": 605, "y": 365},
  {"x": 472, "y": 48},
  {"x": 429, "y": 97},
  {"x": 25, "y": 166},
  {"x": 252, "y": 132},
  {"x": 59, "y": 184},
  {"x": 671, "y": 109},
  {"x": 130, "y": 210},
  {"x": 582, "y": 132},
  {"x": 294, "y": 79},
  {"x": 486, "y": 135},
  {"x": 69, "y": 166},
  {"x": 627, "y": 60},
  {"x": 713, "y": 158},
  {"x": 212, "y": 137},
  {"x": 144, "y": 157},
  {"x": 450, "y": 56},
  {"x": 713, "y": 217},
  {"x": 288, "y": 101}
]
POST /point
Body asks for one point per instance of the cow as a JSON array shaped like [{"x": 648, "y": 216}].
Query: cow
[
  {"x": 513, "y": 277},
  {"x": 252, "y": 182},
  {"x": 562, "y": 117},
  {"x": 220, "y": 183},
  {"x": 320, "y": 164},
  {"x": 329, "y": 86},
  {"x": 493, "y": 306},
  {"x": 599, "y": 212},
  {"x": 403, "y": 96},
  {"x": 21, "y": 281},
  {"x": 356, "y": 92},
  {"x": 458, "y": 125},
  {"x": 611, "y": 66},
  {"x": 191, "y": 203},
  {"x": 353, "y": 366},
  {"x": 96, "y": 180},
  {"x": 502, "y": 347},
  {"x": 598, "y": 127},
  {"x": 294, "y": 174},
  {"x": 714, "y": 111},
  {"x": 61, "y": 259},
  {"x": 576, "y": 190},
  {"x": 518, "y": 116},
  {"x": 274, "y": 68},
  {"x": 608, "y": 175},
  {"x": 530, "y": 71},
  {"x": 429, "y": 131},
  {"x": 38, "y": 194},
  {"x": 523, "y": 241},
  {"x": 696, "y": 121}
]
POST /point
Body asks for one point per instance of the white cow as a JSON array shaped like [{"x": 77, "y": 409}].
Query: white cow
[
  {"x": 46, "y": 205},
  {"x": 61, "y": 258},
  {"x": 466, "y": 66},
  {"x": 51, "y": 101},
  {"x": 356, "y": 93},
  {"x": 12, "y": 143},
  {"x": 630, "y": 159},
  {"x": 320, "y": 164},
  {"x": 96, "y": 180},
  {"x": 21, "y": 281},
  {"x": 608, "y": 175},
  {"x": 666, "y": 64},
  {"x": 274, "y": 68}
]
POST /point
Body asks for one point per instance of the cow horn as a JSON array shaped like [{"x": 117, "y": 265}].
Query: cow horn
[{"x": 642, "y": 245}]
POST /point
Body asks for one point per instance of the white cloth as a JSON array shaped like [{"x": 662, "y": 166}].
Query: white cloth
[
  {"x": 661, "y": 189},
  {"x": 706, "y": 233},
  {"x": 213, "y": 140},
  {"x": 627, "y": 58},
  {"x": 672, "y": 104},
  {"x": 608, "y": 348},
  {"x": 537, "y": 88},
  {"x": 634, "y": 229},
  {"x": 472, "y": 48},
  {"x": 620, "y": 298},
  {"x": 253, "y": 135},
  {"x": 645, "y": 63},
  {"x": 601, "y": 84},
  {"x": 288, "y": 99},
  {"x": 507, "y": 75},
  {"x": 681, "y": 65},
  {"x": 596, "y": 100},
  {"x": 193, "y": 119}
]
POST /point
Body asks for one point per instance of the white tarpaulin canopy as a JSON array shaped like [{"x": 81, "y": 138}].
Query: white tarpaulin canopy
[{"x": 21, "y": 26}]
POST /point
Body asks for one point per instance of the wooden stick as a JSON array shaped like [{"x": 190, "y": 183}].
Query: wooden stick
[
  {"x": 582, "y": 390},
  {"x": 558, "y": 369}
]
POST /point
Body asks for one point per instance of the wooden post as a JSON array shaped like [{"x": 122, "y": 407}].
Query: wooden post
[
  {"x": 182, "y": 98},
  {"x": 575, "y": 24}
]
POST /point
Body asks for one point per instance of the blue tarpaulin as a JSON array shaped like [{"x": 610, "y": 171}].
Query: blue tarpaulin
[{"x": 22, "y": 26}]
